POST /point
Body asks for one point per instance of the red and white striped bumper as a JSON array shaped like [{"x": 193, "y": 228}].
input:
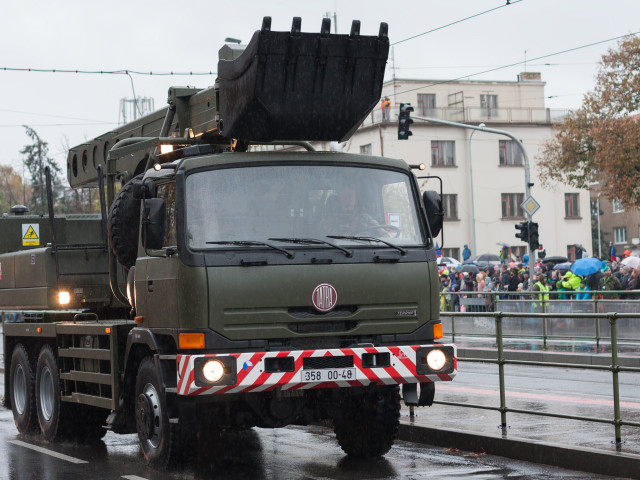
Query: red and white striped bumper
[{"x": 251, "y": 374}]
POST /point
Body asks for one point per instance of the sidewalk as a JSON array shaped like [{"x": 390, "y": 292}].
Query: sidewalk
[{"x": 566, "y": 443}]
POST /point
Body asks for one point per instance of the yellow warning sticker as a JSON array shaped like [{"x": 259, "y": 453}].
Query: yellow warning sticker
[{"x": 30, "y": 234}]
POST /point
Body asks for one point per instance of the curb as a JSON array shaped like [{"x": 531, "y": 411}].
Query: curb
[
  {"x": 549, "y": 357},
  {"x": 572, "y": 458}
]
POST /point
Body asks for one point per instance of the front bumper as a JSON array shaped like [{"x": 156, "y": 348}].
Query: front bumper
[{"x": 290, "y": 370}]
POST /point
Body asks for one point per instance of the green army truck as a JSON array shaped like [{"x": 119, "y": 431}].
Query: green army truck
[{"x": 240, "y": 278}]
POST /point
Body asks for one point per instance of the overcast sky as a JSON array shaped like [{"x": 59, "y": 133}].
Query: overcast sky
[{"x": 164, "y": 36}]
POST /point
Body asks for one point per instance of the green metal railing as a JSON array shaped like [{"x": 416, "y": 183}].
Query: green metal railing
[
  {"x": 479, "y": 302},
  {"x": 501, "y": 361}
]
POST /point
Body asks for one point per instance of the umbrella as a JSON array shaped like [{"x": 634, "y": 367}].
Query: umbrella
[
  {"x": 487, "y": 258},
  {"x": 586, "y": 266},
  {"x": 563, "y": 266},
  {"x": 554, "y": 260},
  {"x": 469, "y": 267},
  {"x": 631, "y": 262}
]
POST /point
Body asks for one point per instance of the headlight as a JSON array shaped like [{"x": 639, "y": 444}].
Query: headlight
[
  {"x": 436, "y": 359},
  {"x": 64, "y": 298},
  {"x": 213, "y": 370}
]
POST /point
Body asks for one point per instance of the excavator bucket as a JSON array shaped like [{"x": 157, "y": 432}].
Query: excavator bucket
[{"x": 301, "y": 86}]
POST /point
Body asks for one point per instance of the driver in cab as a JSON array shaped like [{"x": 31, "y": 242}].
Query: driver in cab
[{"x": 345, "y": 216}]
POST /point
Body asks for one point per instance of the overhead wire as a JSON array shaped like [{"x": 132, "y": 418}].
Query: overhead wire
[
  {"x": 509, "y": 3},
  {"x": 462, "y": 77},
  {"x": 105, "y": 72}
]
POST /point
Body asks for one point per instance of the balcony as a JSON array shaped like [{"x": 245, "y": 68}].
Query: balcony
[{"x": 476, "y": 115}]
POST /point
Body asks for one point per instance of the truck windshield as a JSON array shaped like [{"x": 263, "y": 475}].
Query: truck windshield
[{"x": 298, "y": 202}]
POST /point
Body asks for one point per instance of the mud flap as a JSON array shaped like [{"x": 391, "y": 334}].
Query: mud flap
[{"x": 410, "y": 394}]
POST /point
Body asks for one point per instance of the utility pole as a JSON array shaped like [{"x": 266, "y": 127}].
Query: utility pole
[{"x": 335, "y": 20}]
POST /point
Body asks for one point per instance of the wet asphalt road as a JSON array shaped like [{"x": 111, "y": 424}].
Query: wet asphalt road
[{"x": 290, "y": 453}]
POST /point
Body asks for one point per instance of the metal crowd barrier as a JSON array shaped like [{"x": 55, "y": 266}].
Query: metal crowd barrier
[
  {"x": 548, "y": 322},
  {"x": 553, "y": 325}
]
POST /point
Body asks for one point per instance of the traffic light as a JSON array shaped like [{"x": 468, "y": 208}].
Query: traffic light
[
  {"x": 404, "y": 121},
  {"x": 523, "y": 231},
  {"x": 533, "y": 236}
]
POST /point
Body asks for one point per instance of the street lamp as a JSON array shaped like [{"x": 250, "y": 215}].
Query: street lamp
[
  {"x": 481, "y": 127},
  {"x": 593, "y": 184}
]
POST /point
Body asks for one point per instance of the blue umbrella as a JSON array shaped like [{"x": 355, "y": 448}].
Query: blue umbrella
[{"x": 586, "y": 266}]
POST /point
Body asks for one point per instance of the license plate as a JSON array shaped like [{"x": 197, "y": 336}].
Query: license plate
[{"x": 329, "y": 375}]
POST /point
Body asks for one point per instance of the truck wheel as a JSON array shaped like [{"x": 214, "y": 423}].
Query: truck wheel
[
  {"x": 22, "y": 383},
  {"x": 49, "y": 403},
  {"x": 123, "y": 225},
  {"x": 368, "y": 425},
  {"x": 163, "y": 444}
]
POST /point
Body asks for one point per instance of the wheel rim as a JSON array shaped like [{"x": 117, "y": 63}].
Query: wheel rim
[
  {"x": 149, "y": 416},
  {"x": 19, "y": 389},
  {"x": 46, "y": 393}
]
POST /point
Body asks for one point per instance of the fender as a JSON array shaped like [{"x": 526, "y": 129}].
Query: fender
[{"x": 157, "y": 343}]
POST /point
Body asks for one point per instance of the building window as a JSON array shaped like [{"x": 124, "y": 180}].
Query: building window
[
  {"x": 443, "y": 153},
  {"x": 572, "y": 205},
  {"x": 510, "y": 153},
  {"x": 365, "y": 149},
  {"x": 489, "y": 105},
  {"x": 450, "y": 206},
  {"x": 518, "y": 253},
  {"x": 620, "y": 235},
  {"x": 511, "y": 205},
  {"x": 451, "y": 252},
  {"x": 426, "y": 103},
  {"x": 616, "y": 206}
]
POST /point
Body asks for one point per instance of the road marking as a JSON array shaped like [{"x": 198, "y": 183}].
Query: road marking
[
  {"x": 132, "y": 477},
  {"x": 539, "y": 396},
  {"x": 61, "y": 456}
]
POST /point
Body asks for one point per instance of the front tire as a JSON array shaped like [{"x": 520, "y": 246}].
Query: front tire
[
  {"x": 22, "y": 381},
  {"x": 163, "y": 444},
  {"x": 368, "y": 424}
]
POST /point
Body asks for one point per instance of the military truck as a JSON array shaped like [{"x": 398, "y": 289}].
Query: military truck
[{"x": 240, "y": 278}]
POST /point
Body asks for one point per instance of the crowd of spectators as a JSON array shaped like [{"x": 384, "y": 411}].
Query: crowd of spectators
[{"x": 543, "y": 281}]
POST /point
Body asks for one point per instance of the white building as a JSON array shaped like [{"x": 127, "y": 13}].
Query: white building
[{"x": 483, "y": 174}]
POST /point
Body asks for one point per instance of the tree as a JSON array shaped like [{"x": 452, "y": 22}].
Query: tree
[
  {"x": 11, "y": 188},
  {"x": 601, "y": 140},
  {"x": 36, "y": 159}
]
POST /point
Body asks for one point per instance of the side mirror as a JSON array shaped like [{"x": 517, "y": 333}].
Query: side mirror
[
  {"x": 153, "y": 223},
  {"x": 435, "y": 214}
]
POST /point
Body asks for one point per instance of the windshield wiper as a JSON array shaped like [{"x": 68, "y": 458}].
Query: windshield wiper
[
  {"x": 250, "y": 243},
  {"x": 313, "y": 241},
  {"x": 368, "y": 239}
]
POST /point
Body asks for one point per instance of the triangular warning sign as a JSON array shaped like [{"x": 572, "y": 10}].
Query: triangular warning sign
[{"x": 31, "y": 234}]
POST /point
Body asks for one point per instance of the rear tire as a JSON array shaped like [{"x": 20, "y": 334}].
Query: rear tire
[
  {"x": 163, "y": 444},
  {"x": 22, "y": 382},
  {"x": 368, "y": 424},
  {"x": 49, "y": 405}
]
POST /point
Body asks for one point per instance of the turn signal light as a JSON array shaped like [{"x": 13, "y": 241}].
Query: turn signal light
[
  {"x": 191, "y": 341},
  {"x": 437, "y": 330}
]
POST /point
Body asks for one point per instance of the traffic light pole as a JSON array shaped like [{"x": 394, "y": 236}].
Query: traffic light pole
[{"x": 527, "y": 176}]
